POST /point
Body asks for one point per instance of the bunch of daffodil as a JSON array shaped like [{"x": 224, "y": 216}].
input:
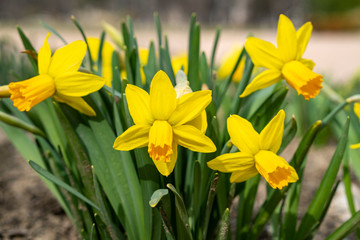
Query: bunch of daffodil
[
  {"x": 257, "y": 153},
  {"x": 58, "y": 78},
  {"x": 285, "y": 61},
  {"x": 228, "y": 63},
  {"x": 106, "y": 57},
  {"x": 162, "y": 122}
]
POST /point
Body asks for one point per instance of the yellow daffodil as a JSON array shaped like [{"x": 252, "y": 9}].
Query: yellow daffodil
[
  {"x": 58, "y": 77},
  {"x": 228, "y": 63},
  {"x": 162, "y": 122},
  {"x": 106, "y": 57},
  {"x": 178, "y": 62},
  {"x": 285, "y": 61},
  {"x": 257, "y": 153},
  {"x": 357, "y": 113}
]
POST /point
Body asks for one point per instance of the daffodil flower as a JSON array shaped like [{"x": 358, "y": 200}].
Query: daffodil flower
[
  {"x": 58, "y": 77},
  {"x": 257, "y": 153},
  {"x": 162, "y": 122},
  {"x": 285, "y": 61},
  {"x": 228, "y": 63},
  {"x": 180, "y": 61},
  {"x": 357, "y": 113},
  {"x": 106, "y": 57}
]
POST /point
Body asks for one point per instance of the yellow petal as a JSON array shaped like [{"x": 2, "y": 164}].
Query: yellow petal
[
  {"x": 139, "y": 105},
  {"x": 302, "y": 79},
  {"x": 78, "y": 84},
  {"x": 286, "y": 39},
  {"x": 241, "y": 176},
  {"x": 166, "y": 168},
  {"x": 242, "y": 134},
  {"x": 162, "y": 96},
  {"x": 228, "y": 63},
  {"x": 357, "y": 110},
  {"x": 77, "y": 103},
  {"x": 143, "y": 55},
  {"x": 271, "y": 136},
  {"x": 106, "y": 56},
  {"x": 191, "y": 138},
  {"x": 44, "y": 56},
  {"x": 200, "y": 122},
  {"x": 307, "y": 62},
  {"x": 160, "y": 141},
  {"x": 303, "y": 35},
  {"x": 355, "y": 146},
  {"x": 136, "y": 136},
  {"x": 231, "y": 162},
  {"x": 276, "y": 171},
  {"x": 263, "y": 80},
  {"x": 28, "y": 93},
  {"x": 263, "y": 53},
  {"x": 189, "y": 106},
  {"x": 178, "y": 62},
  {"x": 67, "y": 58}
]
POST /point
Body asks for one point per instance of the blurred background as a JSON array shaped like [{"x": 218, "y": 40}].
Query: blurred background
[{"x": 334, "y": 45}]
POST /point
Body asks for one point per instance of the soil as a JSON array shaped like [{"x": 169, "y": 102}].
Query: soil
[{"x": 27, "y": 208}]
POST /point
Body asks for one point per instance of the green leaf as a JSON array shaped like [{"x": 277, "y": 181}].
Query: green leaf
[
  {"x": 28, "y": 46},
  {"x": 346, "y": 228},
  {"x": 183, "y": 229},
  {"x": 194, "y": 52},
  {"x": 16, "y": 122},
  {"x": 165, "y": 63},
  {"x": 323, "y": 192},
  {"x": 289, "y": 133},
  {"x": 211, "y": 79},
  {"x": 57, "y": 181},
  {"x": 78, "y": 26},
  {"x": 224, "y": 226},
  {"x": 157, "y": 196},
  {"x": 54, "y": 32},
  {"x": 106, "y": 211},
  {"x": 209, "y": 204}
]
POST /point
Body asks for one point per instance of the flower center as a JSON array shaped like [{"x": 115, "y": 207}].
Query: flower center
[
  {"x": 276, "y": 171},
  {"x": 302, "y": 79},
  {"x": 160, "y": 141},
  {"x": 28, "y": 93}
]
